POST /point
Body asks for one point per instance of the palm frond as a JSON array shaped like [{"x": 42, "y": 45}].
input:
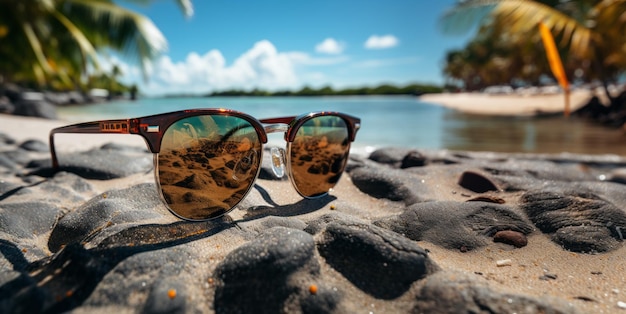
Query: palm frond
[
  {"x": 461, "y": 18},
  {"x": 109, "y": 25},
  {"x": 521, "y": 17},
  {"x": 185, "y": 5},
  {"x": 78, "y": 36},
  {"x": 524, "y": 16},
  {"x": 62, "y": 39},
  {"x": 35, "y": 44}
]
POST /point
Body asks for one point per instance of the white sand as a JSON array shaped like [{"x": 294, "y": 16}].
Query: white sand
[{"x": 508, "y": 104}]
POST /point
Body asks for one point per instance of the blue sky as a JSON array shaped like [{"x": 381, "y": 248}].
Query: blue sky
[{"x": 280, "y": 44}]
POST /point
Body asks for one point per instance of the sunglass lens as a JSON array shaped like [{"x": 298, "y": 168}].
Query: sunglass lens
[
  {"x": 207, "y": 164},
  {"x": 319, "y": 154}
]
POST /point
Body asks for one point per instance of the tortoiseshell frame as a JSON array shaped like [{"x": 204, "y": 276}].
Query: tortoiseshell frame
[{"x": 152, "y": 128}]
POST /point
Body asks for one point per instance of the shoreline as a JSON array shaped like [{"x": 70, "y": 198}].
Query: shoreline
[
  {"x": 509, "y": 104},
  {"x": 31, "y": 128},
  {"x": 532, "y": 134},
  {"x": 467, "y": 102}
]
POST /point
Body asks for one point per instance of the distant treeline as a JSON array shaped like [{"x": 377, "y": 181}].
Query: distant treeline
[{"x": 412, "y": 89}]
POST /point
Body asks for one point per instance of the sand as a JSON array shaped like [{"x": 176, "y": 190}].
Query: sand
[
  {"x": 508, "y": 104},
  {"x": 592, "y": 283}
]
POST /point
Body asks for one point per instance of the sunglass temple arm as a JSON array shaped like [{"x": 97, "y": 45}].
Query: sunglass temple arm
[{"x": 125, "y": 126}]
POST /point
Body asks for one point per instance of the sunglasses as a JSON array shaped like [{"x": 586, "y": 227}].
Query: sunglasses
[{"x": 207, "y": 160}]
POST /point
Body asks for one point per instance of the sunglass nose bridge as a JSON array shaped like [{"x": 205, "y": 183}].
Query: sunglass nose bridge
[
  {"x": 274, "y": 128},
  {"x": 278, "y": 161}
]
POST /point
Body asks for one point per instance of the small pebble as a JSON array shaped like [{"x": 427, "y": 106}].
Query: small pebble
[
  {"x": 621, "y": 305},
  {"x": 548, "y": 277},
  {"x": 515, "y": 238},
  {"x": 171, "y": 293},
  {"x": 476, "y": 182},
  {"x": 586, "y": 299},
  {"x": 551, "y": 276},
  {"x": 488, "y": 199},
  {"x": 504, "y": 262},
  {"x": 413, "y": 159}
]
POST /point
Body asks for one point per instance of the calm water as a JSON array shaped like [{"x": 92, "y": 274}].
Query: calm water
[{"x": 396, "y": 121}]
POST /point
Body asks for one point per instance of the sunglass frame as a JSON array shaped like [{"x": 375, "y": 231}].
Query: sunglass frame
[{"x": 153, "y": 127}]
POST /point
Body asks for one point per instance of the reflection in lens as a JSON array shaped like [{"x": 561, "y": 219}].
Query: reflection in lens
[
  {"x": 319, "y": 154},
  {"x": 207, "y": 164}
]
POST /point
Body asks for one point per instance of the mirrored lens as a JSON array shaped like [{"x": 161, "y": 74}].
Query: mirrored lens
[
  {"x": 319, "y": 154},
  {"x": 207, "y": 164}
]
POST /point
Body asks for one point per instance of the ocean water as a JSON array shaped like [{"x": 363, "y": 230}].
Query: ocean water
[{"x": 398, "y": 121}]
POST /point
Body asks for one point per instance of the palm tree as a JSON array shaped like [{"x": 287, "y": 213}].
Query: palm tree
[
  {"x": 46, "y": 39},
  {"x": 592, "y": 32},
  {"x": 494, "y": 58}
]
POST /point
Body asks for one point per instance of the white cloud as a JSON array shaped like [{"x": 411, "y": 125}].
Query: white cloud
[
  {"x": 381, "y": 42},
  {"x": 330, "y": 46},
  {"x": 260, "y": 67}
]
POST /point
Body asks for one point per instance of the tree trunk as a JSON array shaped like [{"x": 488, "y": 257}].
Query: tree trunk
[{"x": 599, "y": 68}]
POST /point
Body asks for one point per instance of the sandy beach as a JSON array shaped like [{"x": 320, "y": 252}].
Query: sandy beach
[
  {"x": 509, "y": 104},
  {"x": 420, "y": 231}
]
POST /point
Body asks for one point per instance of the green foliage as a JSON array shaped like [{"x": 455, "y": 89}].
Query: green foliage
[
  {"x": 412, "y": 89},
  {"x": 53, "y": 43},
  {"x": 590, "y": 34}
]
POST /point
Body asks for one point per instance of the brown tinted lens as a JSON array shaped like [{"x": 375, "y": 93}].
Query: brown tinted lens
[
  {"x": 207, "y": 164},
  {"x": 319, "y": 154}
]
